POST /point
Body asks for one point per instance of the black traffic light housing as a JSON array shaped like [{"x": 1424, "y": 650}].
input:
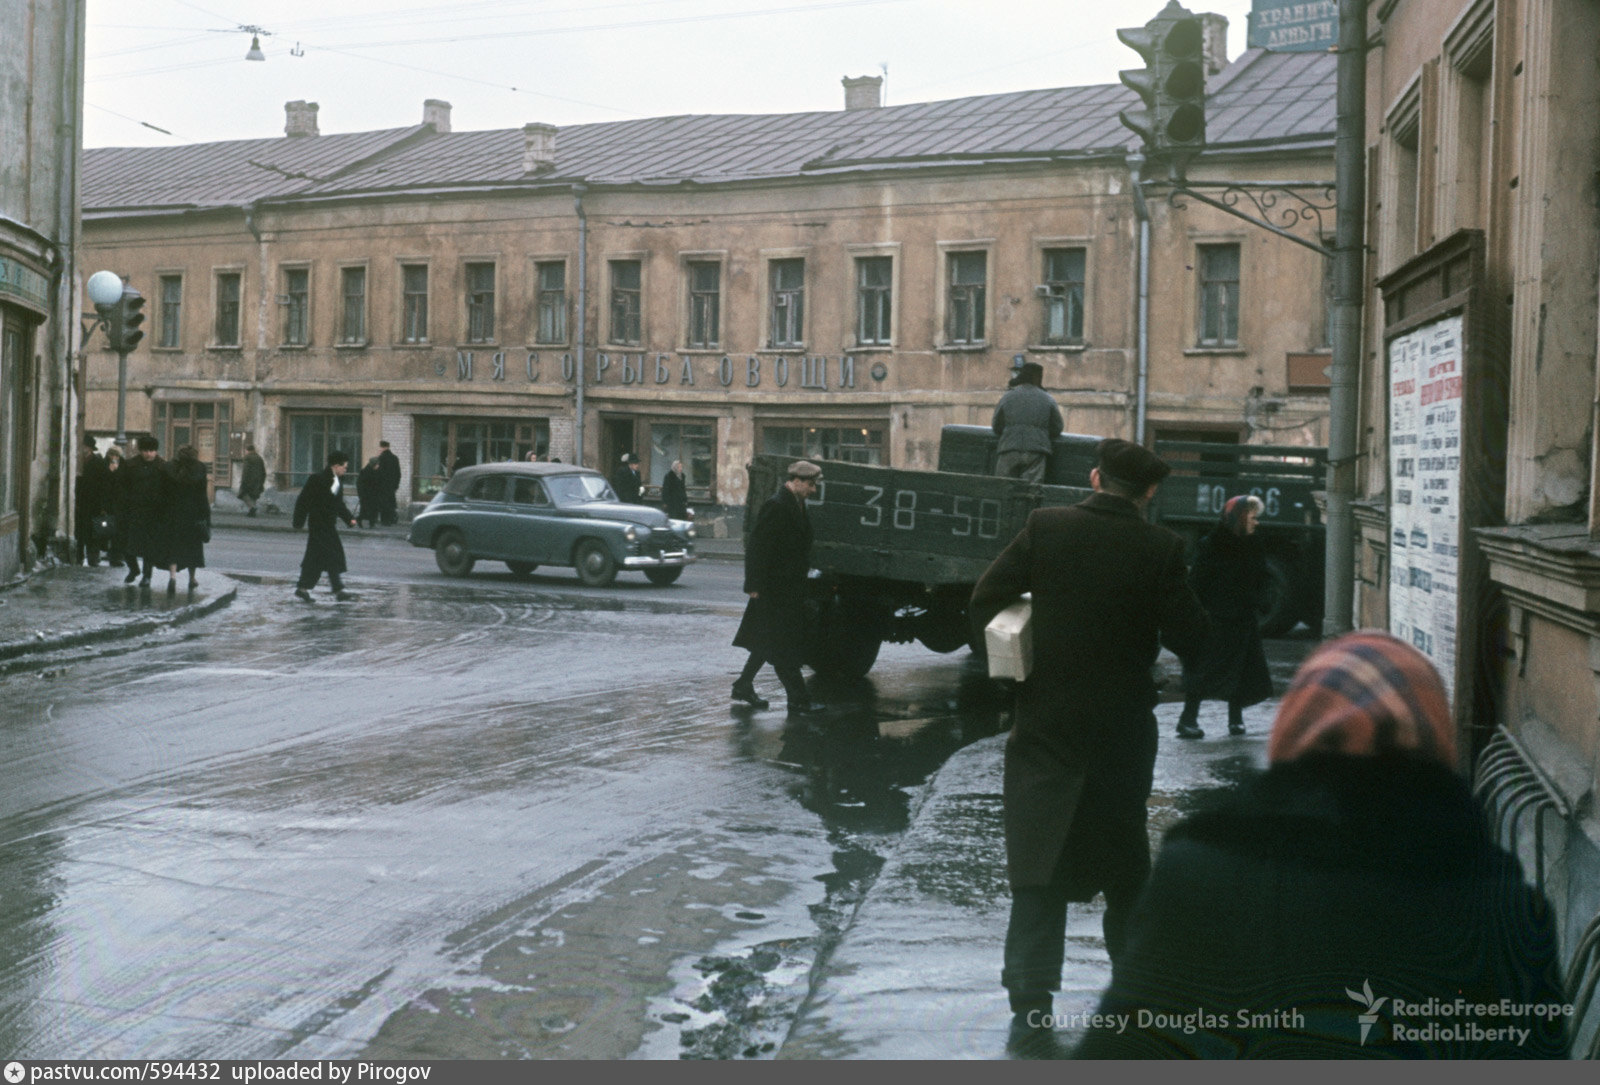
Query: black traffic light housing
[
  {"x": 123, "y": 321},
  {"x": 1172, "y": 84}
]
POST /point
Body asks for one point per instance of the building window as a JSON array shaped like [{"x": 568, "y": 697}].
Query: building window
[
  {"x": 314, "y": 434},
  {"x": 849, "y": 443},
  {"x": 787, "y": 319},
  {"x": 201, "y": 423},
  {"x": 874, "y": 299},
  {"x": 1063, "y": 295},
  {"x": 227, "y": 329},
  {"x": 969, "y": 273},
  {"x": 1404, "y": 176},
  {"x": 480, "y": 303},
  {"x": 414, "y": 303},
  {"x": 353, "y": 311},
  {"x": 171, "y": 310},
  {"x": 694, "y": 444},
  {"x": 625, "y": 290},
  {"x": 446, "y": 445},
  {"x": 15, "y": 340},
  {"x": 552, "y": 277},
  {"x": 1219, "y": 296},
  {"x": 705, "y": 303},
  {"x": 296, "y": 306}
]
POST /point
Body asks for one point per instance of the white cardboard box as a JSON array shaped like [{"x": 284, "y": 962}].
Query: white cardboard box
[{"x": 1009, "y": 641}]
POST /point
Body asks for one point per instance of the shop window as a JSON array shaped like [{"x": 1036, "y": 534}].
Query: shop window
[
  {"x": 296, "y": 302},
  {"x": 446, "y": 445},
  {"x": 200, "y": 423},
  {"x": 170, "y": 334},
  {"x": 847, "y": 443},
  {"x": 693, "y": 443},
  {"x": 314, "y": 434}
]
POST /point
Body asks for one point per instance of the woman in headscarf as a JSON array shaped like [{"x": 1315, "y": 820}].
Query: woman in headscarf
[
  {"x": 1228, "y": 575},
  {"x": 188, "y": 515},
  {"x": 1350, "y": 901}
]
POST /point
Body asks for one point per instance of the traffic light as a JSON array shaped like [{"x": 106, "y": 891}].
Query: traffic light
[
  {"x": 1172, "y": 84},
  {"x": 122, "y": 324}
]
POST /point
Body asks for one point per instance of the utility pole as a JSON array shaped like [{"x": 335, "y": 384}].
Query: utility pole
[{"x": 1349, "y": 166}]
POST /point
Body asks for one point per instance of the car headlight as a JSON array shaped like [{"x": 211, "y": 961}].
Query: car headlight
[
  {"x": 689, "y": 531},
  {"x": 631, "y": 533}
]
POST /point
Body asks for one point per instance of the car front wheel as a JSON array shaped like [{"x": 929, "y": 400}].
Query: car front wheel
[
  {"x": 596, "y": 567},
  {"x": 450, "y": 551}
]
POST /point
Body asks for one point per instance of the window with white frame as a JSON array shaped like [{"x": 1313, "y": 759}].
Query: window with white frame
[
  {"x": 705, "y": 303},
  {"x": 786, "y": 321},
  {"x": 968, "y": 274}
]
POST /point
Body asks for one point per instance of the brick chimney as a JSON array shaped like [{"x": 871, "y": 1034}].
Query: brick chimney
[
  {"x": 437, "y": 114},
  {"x": 300, "y": 119},
  {"x": 863, "y": 92},
  {"x": 538, "y": 147},
  {"x": 1214, "y": 41}
]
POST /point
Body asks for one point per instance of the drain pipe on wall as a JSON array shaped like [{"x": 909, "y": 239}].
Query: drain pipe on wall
[
  {"x": 583, "y": 322},
  {"x": 1141, "y": 211}
]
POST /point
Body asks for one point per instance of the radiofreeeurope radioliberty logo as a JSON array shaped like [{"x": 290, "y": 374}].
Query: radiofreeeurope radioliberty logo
[{"x": 1373, "y": 1005}]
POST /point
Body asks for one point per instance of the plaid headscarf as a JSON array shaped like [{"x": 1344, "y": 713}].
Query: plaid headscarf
[
  {"x": 1362, "y": 695},
  {"x": 1233, "y": 512}
]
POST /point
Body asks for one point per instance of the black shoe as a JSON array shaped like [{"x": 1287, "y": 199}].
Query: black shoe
[
  {"x": 1235, "y": 726},
  {"x": 746, "y": 692},
  {"x": 1034, "y": 1041},
  {"x": 144, "y": 581},
  {"x": 1189, "y": 729},
  {"x": 345, "y": 596},
  {"x": 302, "y": 594},
  {"x": 804, "y": 708}
]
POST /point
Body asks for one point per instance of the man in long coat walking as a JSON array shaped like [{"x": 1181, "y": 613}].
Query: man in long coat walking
[
  {"x": 1108, "y": 589},
  {"x": 388, "y": 483},
  {"x": 320, "y": 504},
  {"x": 142, "y": 485},
  {"x": 777, "y": 560}
]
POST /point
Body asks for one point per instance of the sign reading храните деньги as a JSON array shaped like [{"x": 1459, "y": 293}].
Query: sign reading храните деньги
[{"x": 1294, "y": 26}]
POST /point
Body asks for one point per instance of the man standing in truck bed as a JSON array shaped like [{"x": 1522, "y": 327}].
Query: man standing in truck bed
[
  {"x": 1108, "y": 589},
  {"x": 1027, "y": 421}
]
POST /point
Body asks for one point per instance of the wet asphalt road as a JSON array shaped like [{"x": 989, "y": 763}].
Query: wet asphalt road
[{"x": 453, "y": 819}]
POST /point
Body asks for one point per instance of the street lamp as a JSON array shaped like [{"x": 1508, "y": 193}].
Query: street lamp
[{"x": 105, "y": 291}]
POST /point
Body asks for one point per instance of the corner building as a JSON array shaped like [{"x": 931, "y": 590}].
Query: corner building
[{"x": 707, "y": 288}]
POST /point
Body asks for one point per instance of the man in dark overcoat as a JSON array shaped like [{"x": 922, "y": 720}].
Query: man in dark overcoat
[
  {"x": 253, "y": 479},
  {"x": 626, "y": 480},
  {"x": 91, "y": 500},
  {"x": 777, "y": 560},
  {"x": 388, "y": 483},
  {"x": 319, "y": 506},
  {"x": 1108, "y": 589},
  {"x": 143, "y": 507}
]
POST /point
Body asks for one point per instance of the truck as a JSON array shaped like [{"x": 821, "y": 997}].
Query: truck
[{"x": 896, "y": 552}]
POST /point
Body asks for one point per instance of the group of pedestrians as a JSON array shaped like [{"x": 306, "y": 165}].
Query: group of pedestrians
[{"x": 145, "y": 514}]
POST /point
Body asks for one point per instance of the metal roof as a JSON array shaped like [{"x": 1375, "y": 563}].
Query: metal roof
[{"x": 1260, "y": 101}]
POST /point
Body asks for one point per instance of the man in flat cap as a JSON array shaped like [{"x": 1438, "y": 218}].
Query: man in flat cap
[
  {"x": 777, "y": 560},
  {"x": 1108, "y": 590},
  {"x": 1027, "y": 421}
]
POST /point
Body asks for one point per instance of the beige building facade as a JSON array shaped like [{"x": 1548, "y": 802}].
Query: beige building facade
[
  {"x": 1483, "y": 150},
  {"x": 706, "y": 289}
]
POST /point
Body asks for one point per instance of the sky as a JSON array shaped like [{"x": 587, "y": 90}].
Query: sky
[{"x": 166, "y": 72}]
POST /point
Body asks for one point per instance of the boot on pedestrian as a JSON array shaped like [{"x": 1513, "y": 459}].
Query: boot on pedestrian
[
  {"x": 746, "y": 692},
  {"x": 1235, "y": 718},
  {"x": 1189, "y": 721}
]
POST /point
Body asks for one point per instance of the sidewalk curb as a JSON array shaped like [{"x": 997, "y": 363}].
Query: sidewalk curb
[{"x": 136, "y": 628}]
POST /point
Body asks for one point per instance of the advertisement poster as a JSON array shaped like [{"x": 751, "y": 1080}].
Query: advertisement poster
[{"x": 1425, "y": 490}]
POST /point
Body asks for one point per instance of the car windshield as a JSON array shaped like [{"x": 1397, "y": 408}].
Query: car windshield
[{"x": 577, "y": 489}]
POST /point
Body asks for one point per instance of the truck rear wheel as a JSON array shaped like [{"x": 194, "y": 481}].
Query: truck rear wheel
[
  {"x": 1276, "y": 612},
  {"x": 846, "y": 642}
]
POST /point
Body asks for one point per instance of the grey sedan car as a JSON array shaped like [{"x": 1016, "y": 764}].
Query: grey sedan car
[{"x": 533, "y": 514}]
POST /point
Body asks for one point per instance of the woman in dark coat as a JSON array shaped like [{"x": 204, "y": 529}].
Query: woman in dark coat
[
  {"x": 1228, "y": 576},
  {"x": 1332, "y": 904},
  {"x": 188, "y": 515},
  {"x": 675, "y": 493},
  {"x": 113, "y": 506}
]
